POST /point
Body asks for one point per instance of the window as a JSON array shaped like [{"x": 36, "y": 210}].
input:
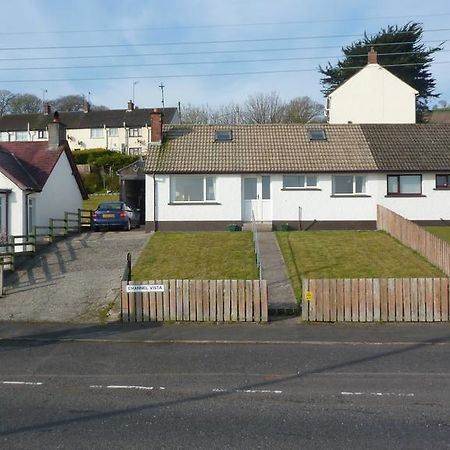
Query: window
[
  {"x": 299, "y": 181},
  {"x": 404, "y": 184},
  {"x": 21, "y": 135},
  {"x": 135, "y": 151},
  {"x": 193, "y": 189},
  {"x": 113, "y": 132},
  {"x": 224, "y": 135},
  {"x": 96, "y": 133},
  {"x": 443, "y": 181},
  {"x": 349, "y": 184},
  {"x": 134, "y": 132},
  {"x": 42, "y": 134},
  {"x": 317, "y": 135}
]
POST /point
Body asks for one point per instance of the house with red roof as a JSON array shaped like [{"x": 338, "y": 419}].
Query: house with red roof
[{"x": 38, "y": 181}]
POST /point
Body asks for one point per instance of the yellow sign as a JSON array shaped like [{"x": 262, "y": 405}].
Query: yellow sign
[{"x": 309, "y": 296}]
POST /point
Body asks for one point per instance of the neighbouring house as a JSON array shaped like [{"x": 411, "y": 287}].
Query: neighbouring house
[
  {"x": 372, "y": 95},
  {"x": 38, "y": 181},
  {"x": 205, "y": 177},
  {"x": 123, "y": 130}
]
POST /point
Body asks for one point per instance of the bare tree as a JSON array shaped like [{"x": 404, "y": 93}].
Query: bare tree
[
  {"x": 231, "y": 113},
  {"x": 302, "y": 110},
  {"x": 25, "y": 103},
  {"x": 5, "y": 100},
  {"x": 195, "y": 114},
  {"x": 264, "y": 108}
]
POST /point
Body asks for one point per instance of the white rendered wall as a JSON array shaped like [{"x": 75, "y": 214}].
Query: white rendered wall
[
  {"x": 319, "y": 204},
  {"x": 226, "y": 207},
  {"x": 60, "y": 193},
  {"x": 373, "y": 95}
]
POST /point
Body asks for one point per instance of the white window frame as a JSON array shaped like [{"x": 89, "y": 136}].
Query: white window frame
[
  {"x": 135, "y": 132},
  {"x": 97, "y": 133},
  {"x": 42, "y": 134},
  {"x": 354, "y": 193},
  {"x": 21, "y": 136},
  {"x": 173, "y": 185},
  {"x": 133, "y": 151},
  {"x": 113, "y": 132},
  {"x": 306, "y": 184}
]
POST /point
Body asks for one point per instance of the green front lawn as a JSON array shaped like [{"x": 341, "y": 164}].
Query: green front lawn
[
  {"x": 442, "y": 232},
  {"x": 208, "y": 256},
  {"x": 93, "y": 201},
  {"x": 349, "y": 254}
]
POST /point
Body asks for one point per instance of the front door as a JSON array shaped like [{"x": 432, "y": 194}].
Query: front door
[{"x": 256, "y": 198}]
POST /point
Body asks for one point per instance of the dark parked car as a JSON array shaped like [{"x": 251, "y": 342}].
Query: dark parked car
[{"x": 115, "y": 215}]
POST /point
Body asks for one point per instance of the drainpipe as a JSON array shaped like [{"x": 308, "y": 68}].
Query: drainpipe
[
  {"x": 7, "y": 214},
  {"x": 154, "y": 202}
]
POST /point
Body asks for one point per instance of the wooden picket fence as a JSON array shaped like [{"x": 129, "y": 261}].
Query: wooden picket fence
[
  {"x": 431, "y": 247},
  {"x": 197, "y": 301},
  {"x": 374, "y": 300}
]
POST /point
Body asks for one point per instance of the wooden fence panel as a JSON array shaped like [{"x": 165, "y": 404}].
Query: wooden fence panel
[
  {"x": 431, "y": 247},
  {"x": 385, "y": 299},
  {"x": 196, "y": 300}
]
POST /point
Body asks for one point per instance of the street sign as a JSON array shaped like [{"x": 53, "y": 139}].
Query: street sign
[{"x": 145, "y": 288}]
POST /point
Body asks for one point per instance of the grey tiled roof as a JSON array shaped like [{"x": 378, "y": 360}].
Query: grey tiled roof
[
  {"x": 287, "y": 148},
  {"x": 93, "y": 119},
  {"x": 261, "y": 148}
]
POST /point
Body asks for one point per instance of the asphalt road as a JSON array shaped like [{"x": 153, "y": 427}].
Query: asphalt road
[{"x": 317, "y": 387}]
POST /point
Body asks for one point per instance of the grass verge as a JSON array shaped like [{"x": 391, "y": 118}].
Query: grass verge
[
  {"x": 349, "y": 254},
  {"x": 209, "y": 256}
]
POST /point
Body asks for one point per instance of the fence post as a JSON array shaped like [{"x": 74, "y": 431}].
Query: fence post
[
  {"x": 50, "y": 230},
  {"x": 66, "y": 223}
]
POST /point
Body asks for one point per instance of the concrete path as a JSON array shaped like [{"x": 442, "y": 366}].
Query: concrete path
[
  {"x": 281, "y": 295},
  {"x": 74, "y": 279}
]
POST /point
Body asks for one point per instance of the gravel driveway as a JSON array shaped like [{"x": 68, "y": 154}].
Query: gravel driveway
[{"x": 75, "y": 279}]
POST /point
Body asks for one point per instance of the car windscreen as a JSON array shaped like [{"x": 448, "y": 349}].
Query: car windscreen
[{"x": 110, "y": 206}]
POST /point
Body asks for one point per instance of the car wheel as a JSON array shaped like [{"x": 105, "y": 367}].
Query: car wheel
[
  {"x": 127, "y": 227},
  {"x": 96, "y": 228}
]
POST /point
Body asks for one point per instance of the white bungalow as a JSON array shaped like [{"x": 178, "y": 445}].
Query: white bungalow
[
  {"x": 38, "y": 181},
  {"x": 204, "y": 177}
]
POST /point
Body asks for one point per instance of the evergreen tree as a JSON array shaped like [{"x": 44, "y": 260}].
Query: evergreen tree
[{"x": 400, "y": 50}]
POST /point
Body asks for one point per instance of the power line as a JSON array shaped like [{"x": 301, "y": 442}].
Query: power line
[
  {"x": 212, "y": 26},
  {"x": 200, "y": 75},
  {"x": 228, "y": 41},
  {"x": 196, "y": 63},
  {"x": 204, "y": 52}
]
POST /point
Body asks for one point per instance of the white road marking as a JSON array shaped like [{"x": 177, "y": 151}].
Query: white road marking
[
  {"x": 380, "y": 394},
  {"x": 23, "y": 383},
  {"x": 249, "y": 391},
  {"x": 117, "y": 386}
]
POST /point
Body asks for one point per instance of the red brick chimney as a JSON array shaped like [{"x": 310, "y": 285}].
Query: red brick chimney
[
  {"x": 156, "y": 126},
  {"x": 372, "y": 56},
  {"x": 86, "y": 106},
  {"x": 130, "y": 105},
  {"x": 47, "y": 109}
]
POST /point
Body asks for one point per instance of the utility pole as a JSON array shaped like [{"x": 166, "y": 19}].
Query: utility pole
[{"x": 161, "y": 86}]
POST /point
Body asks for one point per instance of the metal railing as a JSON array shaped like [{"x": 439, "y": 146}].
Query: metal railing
[{"x": 256, "y": 245}]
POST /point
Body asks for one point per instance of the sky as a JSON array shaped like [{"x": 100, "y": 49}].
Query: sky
[{"x": 188, "y": 45}]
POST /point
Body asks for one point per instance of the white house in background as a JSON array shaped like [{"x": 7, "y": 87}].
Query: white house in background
[
  {"x": 372, "y": 95},
  {"x": 123, "y": 130},
  {"x": 38, "y": 181},
  {"x": 322, "y": 176}
]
